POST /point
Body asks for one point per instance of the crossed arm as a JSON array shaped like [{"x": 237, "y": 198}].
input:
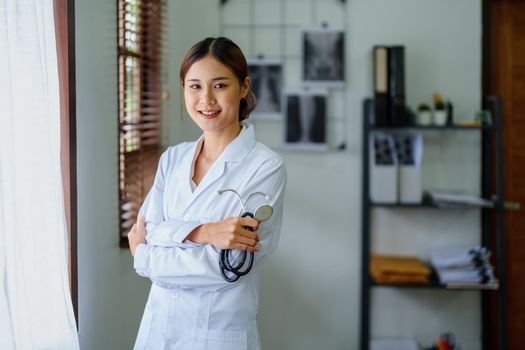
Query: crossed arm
[{"x": 196, "y": 265}]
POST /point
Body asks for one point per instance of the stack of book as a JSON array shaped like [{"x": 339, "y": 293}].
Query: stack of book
[
  {"x": 389, "y": 269},
  {"x": 455, "y": 200},
  {"x": 463, "y": 267}
]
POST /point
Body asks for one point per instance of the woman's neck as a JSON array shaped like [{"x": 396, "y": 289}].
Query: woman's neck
[{"x": 215, "y": 142}]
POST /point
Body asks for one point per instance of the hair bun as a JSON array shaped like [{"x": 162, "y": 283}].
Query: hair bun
[{"x": 247, "y": 105}]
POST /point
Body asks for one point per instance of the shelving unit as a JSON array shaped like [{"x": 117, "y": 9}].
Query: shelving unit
[{"x": 490, "y": 152}]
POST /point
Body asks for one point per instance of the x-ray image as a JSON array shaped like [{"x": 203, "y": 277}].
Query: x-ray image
[
  {"x": 266, "y": 78},
  {"x": 323, "y": 57},
  {"x": 305, "y": 120}
]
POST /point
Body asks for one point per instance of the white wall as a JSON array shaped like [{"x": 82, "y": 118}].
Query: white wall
[
  {"x": 110, "y": 294},
  {"x": 310, "y": 288}
]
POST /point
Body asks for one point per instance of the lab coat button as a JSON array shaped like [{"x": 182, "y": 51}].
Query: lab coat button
[
  {"x": 186, "y": 217},
  {"x": 175, "y": 295}
]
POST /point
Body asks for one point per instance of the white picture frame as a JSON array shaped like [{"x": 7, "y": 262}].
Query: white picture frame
[
  {"x": 266, "y": 83},
  {"x": 305, "y": 119},
  {"x": 323, "y": 57}
]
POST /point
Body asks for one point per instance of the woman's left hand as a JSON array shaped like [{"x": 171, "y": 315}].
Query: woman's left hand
[{"x": 137, "y": 235}]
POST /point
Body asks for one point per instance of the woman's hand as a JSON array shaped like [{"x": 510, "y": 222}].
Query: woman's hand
[
  {"x": 229, "y": 233},
  {"x": 137, "y": 235}
]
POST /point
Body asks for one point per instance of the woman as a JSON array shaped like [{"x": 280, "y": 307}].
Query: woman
[{"x": 184, "y": 221}]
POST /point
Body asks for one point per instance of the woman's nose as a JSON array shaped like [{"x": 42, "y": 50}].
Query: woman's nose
[{"x": 207, "y": 97}]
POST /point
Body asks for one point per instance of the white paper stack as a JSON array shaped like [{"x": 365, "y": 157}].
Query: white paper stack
[
  {"x": 393, "y": 344},
  {"x": 456, "y": 200},
  {"x": 457, "y": 266}
]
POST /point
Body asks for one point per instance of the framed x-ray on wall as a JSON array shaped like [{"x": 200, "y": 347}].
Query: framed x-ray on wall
[
  {"x": 322, "y": 57},
  {"x": 266, "y": 76},
  {"x": 305, "y": 119}
]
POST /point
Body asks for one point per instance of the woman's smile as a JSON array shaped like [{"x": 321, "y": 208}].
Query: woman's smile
[{"x": 209, "y": 114}]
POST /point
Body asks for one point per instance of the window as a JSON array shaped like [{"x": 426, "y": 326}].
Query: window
[{"x": 140, "y": 32}]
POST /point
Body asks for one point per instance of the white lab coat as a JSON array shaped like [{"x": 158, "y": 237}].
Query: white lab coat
[{"x": 190, "y": 305}]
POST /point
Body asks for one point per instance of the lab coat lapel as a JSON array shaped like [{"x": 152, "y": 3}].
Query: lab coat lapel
[
  {"x": 213, "y": 174},
  {"x": 236, "y": 151}
]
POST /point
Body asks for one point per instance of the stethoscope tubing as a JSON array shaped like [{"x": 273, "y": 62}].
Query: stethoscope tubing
[{"x": 224, "y": 261}]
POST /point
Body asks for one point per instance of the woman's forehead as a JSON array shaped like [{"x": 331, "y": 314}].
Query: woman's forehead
[{"x": 208, "y": 68}]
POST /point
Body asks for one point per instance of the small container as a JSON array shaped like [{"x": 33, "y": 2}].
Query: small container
[
  {"x": 440, "y": 117},
  {"x": 424, "y": 118},
  {"x": 424, "y": 115}
]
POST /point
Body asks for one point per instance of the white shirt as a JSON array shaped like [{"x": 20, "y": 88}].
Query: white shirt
[{"x": 190, "y": 305}]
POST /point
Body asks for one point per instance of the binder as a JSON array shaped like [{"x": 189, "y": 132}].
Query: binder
[
  {"x": 396, "y": 64},
  {"x": 389, "y": 86},
  {"x": 409, "y": 148},
  {"x": 381, "y": 86},
  {"x": 383, "y": 168}
]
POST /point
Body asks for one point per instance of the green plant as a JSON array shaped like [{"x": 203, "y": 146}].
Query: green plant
[{"x": 423, "y": 107}]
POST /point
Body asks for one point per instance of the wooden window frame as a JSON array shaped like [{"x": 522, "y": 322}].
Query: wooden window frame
[
  {"x": 139, "y": 35},
  {"x": 64, "y": 17}
]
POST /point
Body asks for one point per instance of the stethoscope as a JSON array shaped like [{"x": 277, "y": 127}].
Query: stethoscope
[{"x": 230, "y": 272}]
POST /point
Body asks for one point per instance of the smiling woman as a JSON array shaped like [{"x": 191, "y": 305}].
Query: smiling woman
[{"x": 193, "y": 303}]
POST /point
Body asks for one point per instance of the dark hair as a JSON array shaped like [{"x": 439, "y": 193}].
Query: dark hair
[{"x": 228, "y": 53}]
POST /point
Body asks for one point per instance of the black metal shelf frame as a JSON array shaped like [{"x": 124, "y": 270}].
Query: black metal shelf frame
[{"x": 489, "y": 134}]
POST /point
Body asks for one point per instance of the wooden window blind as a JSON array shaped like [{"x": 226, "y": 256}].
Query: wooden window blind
[{"x": 140, "y": 37}]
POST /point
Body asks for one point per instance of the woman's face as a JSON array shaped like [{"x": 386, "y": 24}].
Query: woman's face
[{"x": 212, "y": 94}]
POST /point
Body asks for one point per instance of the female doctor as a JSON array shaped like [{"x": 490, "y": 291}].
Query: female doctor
[{"x": 184, "y": 221}]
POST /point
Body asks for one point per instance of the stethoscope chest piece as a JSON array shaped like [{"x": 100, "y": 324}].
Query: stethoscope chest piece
[{"x": 264, "y": 212}]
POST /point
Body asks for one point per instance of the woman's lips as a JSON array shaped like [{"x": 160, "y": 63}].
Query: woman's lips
[{"x": 209, "y": 114}]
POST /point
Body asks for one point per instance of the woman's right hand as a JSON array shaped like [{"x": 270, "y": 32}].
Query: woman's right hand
[{"x": 229, "y": 233}]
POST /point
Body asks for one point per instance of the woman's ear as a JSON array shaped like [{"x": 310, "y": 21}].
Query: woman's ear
[{"x": 245, "y": 88}]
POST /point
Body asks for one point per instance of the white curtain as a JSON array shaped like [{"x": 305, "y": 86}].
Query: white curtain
[{"x": 35, "y": 304}]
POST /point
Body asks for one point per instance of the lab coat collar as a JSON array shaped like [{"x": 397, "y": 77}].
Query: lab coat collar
[
  {"x": 236, "y": 151},
  {"x": 239, "y": 148}
]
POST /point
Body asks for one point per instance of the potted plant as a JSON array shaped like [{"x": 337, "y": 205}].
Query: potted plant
[
  {"x": 440, "y": 112},
  {"x": 424, "y": 114}
]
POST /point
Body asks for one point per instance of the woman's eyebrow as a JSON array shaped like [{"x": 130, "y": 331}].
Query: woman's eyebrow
[{"x": 213, "y": 79}]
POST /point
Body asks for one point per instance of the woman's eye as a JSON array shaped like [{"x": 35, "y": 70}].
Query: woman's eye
[
  {"x": 220, "y": 86},
  {"x": 194, "y": 86}
]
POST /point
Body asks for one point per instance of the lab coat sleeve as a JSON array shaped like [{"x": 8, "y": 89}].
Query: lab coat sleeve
[
  {"x": 199, "y": 267},
  {"x": 158, "y": 231}
]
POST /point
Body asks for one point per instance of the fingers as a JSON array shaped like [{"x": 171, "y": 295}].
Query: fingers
[
  {"x": 246, "y": 247},
  {"x": 132, "y": 230},
  {"x": 250, "y": 222},
  {"x": 250, "y": 241},
  {"x": 247, "y": 234}
]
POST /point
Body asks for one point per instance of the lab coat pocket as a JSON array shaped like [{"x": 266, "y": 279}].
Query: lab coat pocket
[
  {"x": 225, "y": 340},
  {"x": 143, "y": 336}
]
